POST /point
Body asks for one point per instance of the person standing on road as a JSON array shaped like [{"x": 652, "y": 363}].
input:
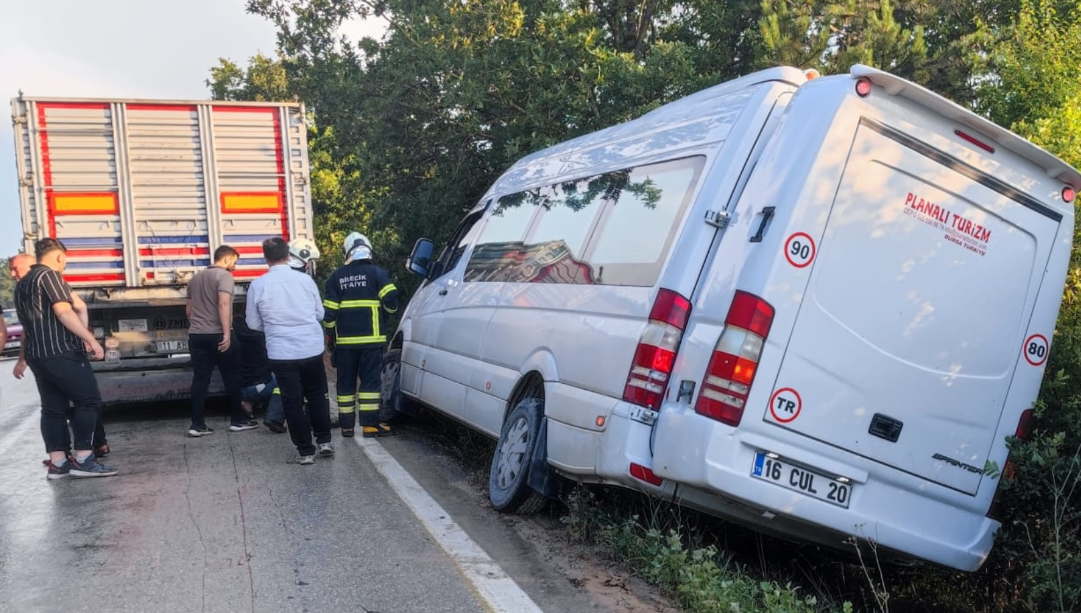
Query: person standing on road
[
  {"x": 287, "y": 308},
  {"x": 56, "y": 341},
  {"x": 359, "y": 295},
  {"x": 18, "y": 265},
  {"x": 210, "y": 341}
]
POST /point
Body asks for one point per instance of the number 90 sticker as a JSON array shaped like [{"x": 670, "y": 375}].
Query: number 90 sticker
[
  {"x": 799, "y": 249},
  {"x": 1036, "y": 349}
]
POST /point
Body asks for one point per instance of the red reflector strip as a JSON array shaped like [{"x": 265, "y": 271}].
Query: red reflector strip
[
  {"x": 93, "y": 278},
  {"x": 171, "y": 251},
  {"x": 249, "y": 274},
  {"x": 975, "y": 141},
  {"x": 644, "y": 474}
]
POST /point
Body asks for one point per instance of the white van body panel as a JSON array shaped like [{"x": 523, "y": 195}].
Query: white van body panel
[{"x": 929, "y": 267}]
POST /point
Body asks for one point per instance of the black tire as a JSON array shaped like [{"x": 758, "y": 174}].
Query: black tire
[
  {"x": 394, "y": 407},
  {"x": 508, "y": 479}
]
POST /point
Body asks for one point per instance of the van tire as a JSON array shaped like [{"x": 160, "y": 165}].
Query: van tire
[
  {"x": 394, "y": 407},
  {"x": 508, "y": 479}
]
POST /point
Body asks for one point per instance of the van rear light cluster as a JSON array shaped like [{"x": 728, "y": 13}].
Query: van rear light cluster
[
  {"x": 734, "y": 361},
  {"x": 655, "y": 356},
  {"x": 1024, "y": 429}
]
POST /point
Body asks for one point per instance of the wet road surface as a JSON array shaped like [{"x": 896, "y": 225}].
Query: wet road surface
[{"x": 230, "y": 522}]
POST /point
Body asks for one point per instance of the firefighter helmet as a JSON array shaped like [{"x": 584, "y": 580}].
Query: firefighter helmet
[
  {"x": 302, "y": 251},
  {"x": 357, "y": 247}
]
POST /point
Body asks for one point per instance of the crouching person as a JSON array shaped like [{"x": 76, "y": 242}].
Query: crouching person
[{"x": 287, "y": 308}]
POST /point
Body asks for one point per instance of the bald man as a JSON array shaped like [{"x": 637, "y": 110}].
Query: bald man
[{"x": 19, "y": 264}]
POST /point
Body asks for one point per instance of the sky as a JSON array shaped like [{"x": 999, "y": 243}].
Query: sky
[{"x": 118, "y": 49}]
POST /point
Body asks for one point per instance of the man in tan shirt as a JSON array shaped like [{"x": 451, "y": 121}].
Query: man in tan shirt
[{"x": 210, "y": 341}]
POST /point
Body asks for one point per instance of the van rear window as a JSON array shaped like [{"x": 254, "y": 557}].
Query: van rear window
[{"x": 614, "y": 228}]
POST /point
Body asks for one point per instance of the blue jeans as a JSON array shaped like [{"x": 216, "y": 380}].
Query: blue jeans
[{"x": 270, "y": 396}]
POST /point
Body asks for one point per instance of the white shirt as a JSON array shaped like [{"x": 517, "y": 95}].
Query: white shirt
[{"x": 285, "y": 305}]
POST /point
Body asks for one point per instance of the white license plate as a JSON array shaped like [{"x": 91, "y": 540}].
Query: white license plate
[
  {"x": 801, "y": 479},
  {"x": 12, "y": 345},
  {"x": 172, "y": 346}
]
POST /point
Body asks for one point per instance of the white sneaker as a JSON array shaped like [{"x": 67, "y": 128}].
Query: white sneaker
[
  {"x": 251, "y": 424},
  {"x": 326, "y": 449},
  {"x": 306, "y": 459}
]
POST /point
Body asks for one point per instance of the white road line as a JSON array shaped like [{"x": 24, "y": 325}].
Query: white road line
[
  {"x": 19, "y": 431},
  {"x": 495, "y": 587}
]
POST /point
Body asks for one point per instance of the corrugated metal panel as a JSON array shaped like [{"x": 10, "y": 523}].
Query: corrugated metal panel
[{"x": 142, "y": 192}]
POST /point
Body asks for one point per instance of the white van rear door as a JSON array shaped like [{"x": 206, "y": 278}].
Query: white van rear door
[{"x": 917, "y": 308}]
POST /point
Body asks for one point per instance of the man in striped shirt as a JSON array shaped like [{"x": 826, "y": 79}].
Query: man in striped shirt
[{"x": 56, "y": 341}]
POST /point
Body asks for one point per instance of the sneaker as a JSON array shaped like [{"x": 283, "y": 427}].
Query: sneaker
[
  {"x": 306, "y": 459},
  {"x": 276, "y": 427},
  {"x": 326, "y": 449},
  {"x": 90, "y": 467},
  {"x": 197, "y": 432},
  {"x": 251, "y": 424},
  {"x": 58, "y": 472},
  {"x": 377, "y": 431}
]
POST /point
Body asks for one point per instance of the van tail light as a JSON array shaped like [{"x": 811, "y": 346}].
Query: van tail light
[
  {"x": 1024, "y": 429},
  {"x": 655, "y": 356},
  {"x": 734, "y": 361}
]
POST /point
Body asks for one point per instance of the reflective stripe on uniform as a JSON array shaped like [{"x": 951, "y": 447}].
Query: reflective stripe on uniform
[
  {"x": 277, "y": 391},
  {"x": 361, "y": 340},
  {"x": 330, "y": 304},
  {"x": 368, "y": 407},
  {"x": 388, "y": 288},
  {"x": 368, "y": 396},
  {"x": 354, "y": 304},
  {"x": 330, "y": 324}
]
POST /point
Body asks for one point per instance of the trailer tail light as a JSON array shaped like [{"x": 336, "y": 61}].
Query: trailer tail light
[
  {"x": 655, "y": 356},
  {"x": 734, "y": 361},
  {"x": 1024, "y": 429}
]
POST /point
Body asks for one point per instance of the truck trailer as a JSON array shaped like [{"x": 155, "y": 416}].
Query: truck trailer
[{"x": 141, "y": 192}]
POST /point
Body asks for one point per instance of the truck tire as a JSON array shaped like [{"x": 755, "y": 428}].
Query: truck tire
[{"x": 508, "y": 480}]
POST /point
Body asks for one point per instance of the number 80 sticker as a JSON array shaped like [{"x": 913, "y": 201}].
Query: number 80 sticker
[
  {"x": 1036, "y": 349},
  {"x": 799, "y": 249}
]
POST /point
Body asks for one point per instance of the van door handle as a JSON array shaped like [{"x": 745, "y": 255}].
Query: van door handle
[
  {"x": 767, "y": 215},
  {"x": 442, "y": 291}
]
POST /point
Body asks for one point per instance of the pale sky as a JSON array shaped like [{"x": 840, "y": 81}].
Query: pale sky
[{"x": 117, "y": 49}]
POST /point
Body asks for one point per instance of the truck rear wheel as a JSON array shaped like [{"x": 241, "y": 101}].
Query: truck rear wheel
[{"x": 508, "y": 480}]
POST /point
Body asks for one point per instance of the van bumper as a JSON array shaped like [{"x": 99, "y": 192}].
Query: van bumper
[{"x": 900, "y": 515}]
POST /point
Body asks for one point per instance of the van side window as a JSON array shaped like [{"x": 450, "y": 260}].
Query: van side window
[
  {"x": 459, "y": 242},
  {"x": 501, "y": 239},
  {"x": 640, "y": 222}
]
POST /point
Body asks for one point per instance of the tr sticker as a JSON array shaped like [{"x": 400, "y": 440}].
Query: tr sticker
[
  {"x": 799, "y": 249},
  {"x": 1036, "y": 349},
  {"x": 785, "y": 405}
]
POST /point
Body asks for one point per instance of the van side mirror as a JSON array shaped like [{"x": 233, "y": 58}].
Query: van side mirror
[{"x": 420, "y": 260}]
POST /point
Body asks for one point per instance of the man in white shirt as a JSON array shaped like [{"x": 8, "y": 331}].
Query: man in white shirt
[{"x": 287, "y": 308}]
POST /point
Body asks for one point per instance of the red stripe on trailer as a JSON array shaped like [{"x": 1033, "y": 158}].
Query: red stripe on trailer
[
  {"x": 93, "y": 278},
  {"x": 46, "y": 170},
  {"x": 249, "y": 250},
  {"x": 161, "y": 107},
  {"x": 74, "y": 105},
  {"x": 152, "y": 251},
  {"x": 95, "y": 253},
  {"x": 249, "y": 274}
]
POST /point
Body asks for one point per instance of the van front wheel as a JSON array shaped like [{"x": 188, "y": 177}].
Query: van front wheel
[{"x": 508, "y": 480}]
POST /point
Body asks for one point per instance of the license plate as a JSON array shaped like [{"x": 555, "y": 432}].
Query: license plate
[
  {"x": 777, "y": 470},
  {"x": 172, "y": 346},
  {"x": 11, "y": 345}
]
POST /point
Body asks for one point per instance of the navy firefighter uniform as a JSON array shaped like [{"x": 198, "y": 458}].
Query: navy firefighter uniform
[{"x": 358, "y": 298}]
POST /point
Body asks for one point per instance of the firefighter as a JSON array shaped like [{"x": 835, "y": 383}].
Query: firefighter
[{"x": 358, "y": 297}]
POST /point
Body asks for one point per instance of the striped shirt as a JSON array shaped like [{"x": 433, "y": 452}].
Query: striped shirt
[{"x": 44, "y": 336}]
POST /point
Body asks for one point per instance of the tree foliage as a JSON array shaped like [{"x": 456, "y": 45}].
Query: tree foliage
[{"x": 407, "y": 132}]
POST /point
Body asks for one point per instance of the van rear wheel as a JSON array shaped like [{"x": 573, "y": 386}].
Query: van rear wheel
[{"x": 508, "y": 480}]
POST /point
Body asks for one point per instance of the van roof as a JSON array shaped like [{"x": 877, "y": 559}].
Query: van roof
[{"x": 896, "y": 86}]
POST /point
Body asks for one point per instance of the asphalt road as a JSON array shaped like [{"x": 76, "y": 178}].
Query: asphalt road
[{"x": 229, "y": 522}]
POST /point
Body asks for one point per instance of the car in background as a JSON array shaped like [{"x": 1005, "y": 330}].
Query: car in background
[{"x": 14, "y": 338}]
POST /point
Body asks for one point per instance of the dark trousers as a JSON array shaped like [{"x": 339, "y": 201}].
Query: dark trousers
[
  {"x": 363, "y": 364},
  {"x": 204, "y": 357},
  {"x": 300, "y": 380},
  {"x": 69, "y": 391}
]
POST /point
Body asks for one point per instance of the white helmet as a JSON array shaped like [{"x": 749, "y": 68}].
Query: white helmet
[
  {"x": 357, "y": 247},
  {"x": 301, "y": 252}
]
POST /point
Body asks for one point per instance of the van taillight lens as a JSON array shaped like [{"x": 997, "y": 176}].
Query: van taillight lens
[
  {"x": 1068, "y": 194},
  {"x": 734, "y": 361},
  {"x": 655, "y": 357},
  {"x": 1024, "y": 430}
]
